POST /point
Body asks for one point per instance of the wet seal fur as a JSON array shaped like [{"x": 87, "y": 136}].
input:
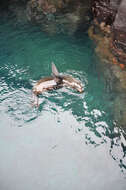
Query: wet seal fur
[{"x": 55, "y": 81}]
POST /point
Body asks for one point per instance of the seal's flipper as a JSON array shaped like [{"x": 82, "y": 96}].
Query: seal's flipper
[
  {"x": 54, "y": 70},
  {"x": 57, "y": 77}
]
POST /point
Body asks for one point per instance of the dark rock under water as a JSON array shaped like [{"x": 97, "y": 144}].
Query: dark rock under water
[{"x": 54, "y": 16}]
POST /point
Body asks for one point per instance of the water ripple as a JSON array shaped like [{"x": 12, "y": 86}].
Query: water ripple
[{"x": 25, "y": 57}]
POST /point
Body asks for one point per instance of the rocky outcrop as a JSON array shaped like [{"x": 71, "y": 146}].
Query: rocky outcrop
[
  {"x": 66, "y": 16},
  {"x": 112, "y": 13},
  {"x": 105, "y": 10},
  {"x": 109, "y": 32},
  {"x": 53, "y": 16},
  {"x": 119, "y": 33}
]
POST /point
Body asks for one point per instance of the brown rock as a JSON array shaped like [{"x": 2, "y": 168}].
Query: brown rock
[
  {"x": 119, "y": 33},
  {"x": 105, "y": 10}
]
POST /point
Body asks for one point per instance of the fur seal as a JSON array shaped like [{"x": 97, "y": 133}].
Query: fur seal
[{"x": 54, "y": 82}]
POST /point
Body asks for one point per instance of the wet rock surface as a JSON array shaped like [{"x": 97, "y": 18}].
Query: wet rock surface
[
  {"x": 113, "y": 13},
  {"x": 119, "y": 33}
]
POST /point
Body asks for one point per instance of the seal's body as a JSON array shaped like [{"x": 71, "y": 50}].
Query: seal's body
[
  {"x": 54, "y": 82},
  {"x": 45, "y": 84}
]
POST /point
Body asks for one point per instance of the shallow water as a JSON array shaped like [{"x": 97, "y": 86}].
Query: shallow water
[{"x": 71, "y": 141}]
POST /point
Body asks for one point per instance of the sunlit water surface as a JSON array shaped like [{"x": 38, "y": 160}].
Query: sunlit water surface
[{"x": 71, "y": 141}]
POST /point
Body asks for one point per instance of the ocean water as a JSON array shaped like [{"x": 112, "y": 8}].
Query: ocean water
[{"x": 71, "y": 141}]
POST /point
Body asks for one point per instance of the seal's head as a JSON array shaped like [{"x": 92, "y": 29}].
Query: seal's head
[
  {"x": 72, "y": 82},
  {"x": 78, "y": 86}
]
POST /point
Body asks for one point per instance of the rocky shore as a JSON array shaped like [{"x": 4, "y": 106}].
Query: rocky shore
[
  {"x": 112, "y": 14},
  {"x": 108, "y": 30},
  {"x": 70, "y": 16}
]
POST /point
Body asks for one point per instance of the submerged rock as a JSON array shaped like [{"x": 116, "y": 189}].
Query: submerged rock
[
  {"x": 120, "y": 110},
  {"x": 66, "y": 16},
  {"x": 53, "y": 16}
]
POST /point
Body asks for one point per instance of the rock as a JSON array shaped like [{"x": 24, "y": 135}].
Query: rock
[
  {"x": 34, "y": 12},
  {"x": 53, "y": 16},
  {"x": 120, "y": 19},
  {"x": 105, "y": 10},
  {"x": 121, "y": 76},
  {"x": 67, "y": 16},
  {"x": 119, "y": 33},
  {"x": 109, "y": 32},
  {"x": 18, "y": 9},
  {"x": 120, "y": 110},
  {"x": 111, "y": 16}
]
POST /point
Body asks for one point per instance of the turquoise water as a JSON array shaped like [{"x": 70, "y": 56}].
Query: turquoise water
[{"x": 71, "y": 140}]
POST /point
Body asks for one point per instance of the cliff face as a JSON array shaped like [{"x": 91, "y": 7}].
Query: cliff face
[
  {"x": 119, "y": 33},
  {"x": 105, "y": 10},
  {"x": 113, "y": 13}
]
